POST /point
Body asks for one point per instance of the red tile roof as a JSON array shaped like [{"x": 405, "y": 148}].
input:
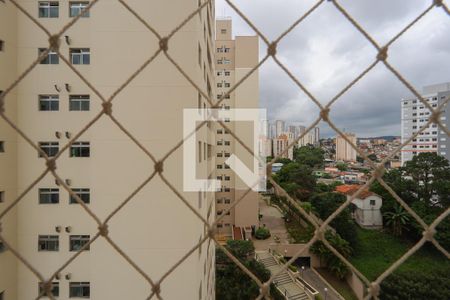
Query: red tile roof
[{"x": 350, "y": 189}]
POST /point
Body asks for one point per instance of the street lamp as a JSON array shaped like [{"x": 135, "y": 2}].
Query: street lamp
[
  {"x": 303, "y": 269},
  {"x": 285, "y": 252},
  {"x": 326, "y": 293}
]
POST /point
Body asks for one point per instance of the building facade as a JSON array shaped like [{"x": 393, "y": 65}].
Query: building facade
[
  {"x": 234, "y": 58},
  {"x": 155, "y": 229},
  {"x": 344, "y": 151},
  {"x": 415, "y": 115}
]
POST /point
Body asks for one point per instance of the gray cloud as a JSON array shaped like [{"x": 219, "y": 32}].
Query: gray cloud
[{"x": 325, "y": 52}]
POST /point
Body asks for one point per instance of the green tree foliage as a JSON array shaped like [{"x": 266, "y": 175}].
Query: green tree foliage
[
  {"x": 424, "y": 184},
  {"x": 397, "y": 219},
  {"x": 325, "y": 204},
  {"x": 231, "y": 282},
  {"x": 334, "y": 264},
  {"x": 310, "y": 156},
  {"x": 297, "y": 180},
  {"x": 262, "y": 233},
  {"x": 428, "y": 284},
  {"x": 342, "y": 166}
]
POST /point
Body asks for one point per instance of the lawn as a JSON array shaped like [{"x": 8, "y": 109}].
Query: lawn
[{"x": 377, "y": 250}]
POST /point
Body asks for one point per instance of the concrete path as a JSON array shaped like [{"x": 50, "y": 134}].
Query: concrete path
[
  {"x": 316, "y": 282},
  {"x": 272, "y": 218}
]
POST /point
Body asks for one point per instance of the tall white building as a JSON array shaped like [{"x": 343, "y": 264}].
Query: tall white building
[
  {"x": 414, "y": 115},
  {"x": 104, "y": 166},
  {"x": 234, "y": 58},
  {"x": 280, "y": 127},
  {"x": 344, "y": 151}
]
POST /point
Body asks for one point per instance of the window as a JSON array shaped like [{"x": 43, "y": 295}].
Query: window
[
  {"x": 77, "y": 7},
  {"x": 83, "y": 193},
  {"x": 227, "y": 73},
  {"x": 219, "y": 61},
  {"x": 219, "y": 166},
  {"x": 219, "y": 154},
  {"x": 372, "y": 202},
  {"x": 199, "y": 152},
  {"x": 80, "y": 149},
  {"x": 2, "y": 196},
  {"x": 223, "y": 31},
  {"x": 48, "y": 9},
  {"x": 227, "y": 50},
  {"x": 227, "y": 201},
  {"x": 227, "y": 84},
  {"x": 227, "y": 178},
  {"x": 219, "y": 131},
  {"x": 55, "y": 289},
  {"x": 48, "y": 102},
  {"x": 2, "y": 45},
  {"x": 199, "y": 55},
  {"x": 226, "y": 143},
  {"x": 79, "y": 289},
  {"x": 48, "y": 196},
  {"x": 2, "y": 146},
  {"x": 79, "y": 102},
  {"x": 2, "y": 249},
  {"x": 49, "y": 148},
  {"x": 219, "y": 84},
  {"x": 52, "y": 58},
  {"x": 78, "y": 241},
  {"x": 48, "y": 243},
  {"x": 226, "y": 61},
  {"x": 80, "y": 56}
]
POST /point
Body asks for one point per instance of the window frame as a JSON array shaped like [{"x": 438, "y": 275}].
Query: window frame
[
  {"x": 51, "y": 100},
  {"x": 55, "y": 289},
  {"x": 83, "y": 54},
  {"x": 46, "y": 6},
  {"x": 79, "y": 102},
  {"x": 81, "y": 5},
  {"x": 77, "y": 242},
  {"x": 48, "y": 239},
  {"x": 83, "y": 193},
  {"x": 49, "y": 148},
  {"x": 85, "y": 293},
  {"x": 49, "y": 194},
  {"x": 52, "y": 57},
  {"x": 77, "y": 149}
]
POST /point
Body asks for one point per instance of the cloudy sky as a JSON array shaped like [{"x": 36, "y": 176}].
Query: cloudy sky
[{"x": 326, "y": 52}]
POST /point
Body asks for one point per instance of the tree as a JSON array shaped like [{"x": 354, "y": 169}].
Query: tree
[
  {"x": 397, "y": 220},
  {"x": 325, "y": 204},
  {"x": 297, "y": 180},
  {"x": 231, "y": 282},
  {"x": 310, "y": 156},
  {"x": 342, "y": 166},
  {"x": 334, "y": 264},
  {"x": 431, "y": 172},
  {"x": 372, "y": 157}
]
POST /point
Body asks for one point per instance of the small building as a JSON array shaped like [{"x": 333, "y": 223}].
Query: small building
[
  {"x": 276, "y": 167},
  {"x": 366, "y": 207}
]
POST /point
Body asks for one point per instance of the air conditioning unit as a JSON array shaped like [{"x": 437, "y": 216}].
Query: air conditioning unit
[
  {"x": 68, "y": 182},
  {"x": 68, "y": 134},
  {"x": 58, "y": 134},
  {"x": 68, "y": 276},
  {"x": 68, "y": 229},
  {"x": 58, "y": 228}
]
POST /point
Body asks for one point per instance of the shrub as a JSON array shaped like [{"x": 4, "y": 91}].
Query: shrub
[
  {"x": 293, "y": 268},
  {"x": 262, "y": 233},
  {"x": 318, "y": 297}
]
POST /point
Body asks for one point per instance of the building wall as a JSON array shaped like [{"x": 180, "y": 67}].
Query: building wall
[
  {"x": 8, "y": 158},
  {"x": 414, "y": 115},
  {"x": 344, "y": 151},
  {"x": 241, "y": 57},
  {"x": 155, "y": 229}
]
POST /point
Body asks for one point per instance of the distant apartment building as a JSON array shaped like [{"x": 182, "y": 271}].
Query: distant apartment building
[
  {"x": 281, "y": 143},
  {"x": 312, "y": 137},
  {"x": 344, "y": 151},
  {"x": 234, "y": 58},
  {"x": 104, "y": 166},
  {"x": 280, "y": 127},
  {"x": 415, "y": 115}
]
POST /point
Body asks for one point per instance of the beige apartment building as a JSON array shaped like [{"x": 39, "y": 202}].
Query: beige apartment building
[
  {"x": 344, "y": 151},
  {"x": 155, "y": 229},
  {"x": 234, "y": 58}
]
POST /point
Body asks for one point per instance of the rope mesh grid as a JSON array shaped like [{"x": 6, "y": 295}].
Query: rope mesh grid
[{"x": 210, "y": 229}]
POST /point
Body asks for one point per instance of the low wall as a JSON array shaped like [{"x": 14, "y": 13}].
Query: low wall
[
  {"x": 357, "y": 285},
  {"x": 289, "y": 250}
]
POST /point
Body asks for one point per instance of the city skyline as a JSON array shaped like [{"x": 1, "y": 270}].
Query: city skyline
[{"x": 326, "y": 65}]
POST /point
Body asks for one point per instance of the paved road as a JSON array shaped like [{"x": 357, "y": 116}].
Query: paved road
[
  {"x": 316, "y": 282},
  {"x": 272, "y": 219}
]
